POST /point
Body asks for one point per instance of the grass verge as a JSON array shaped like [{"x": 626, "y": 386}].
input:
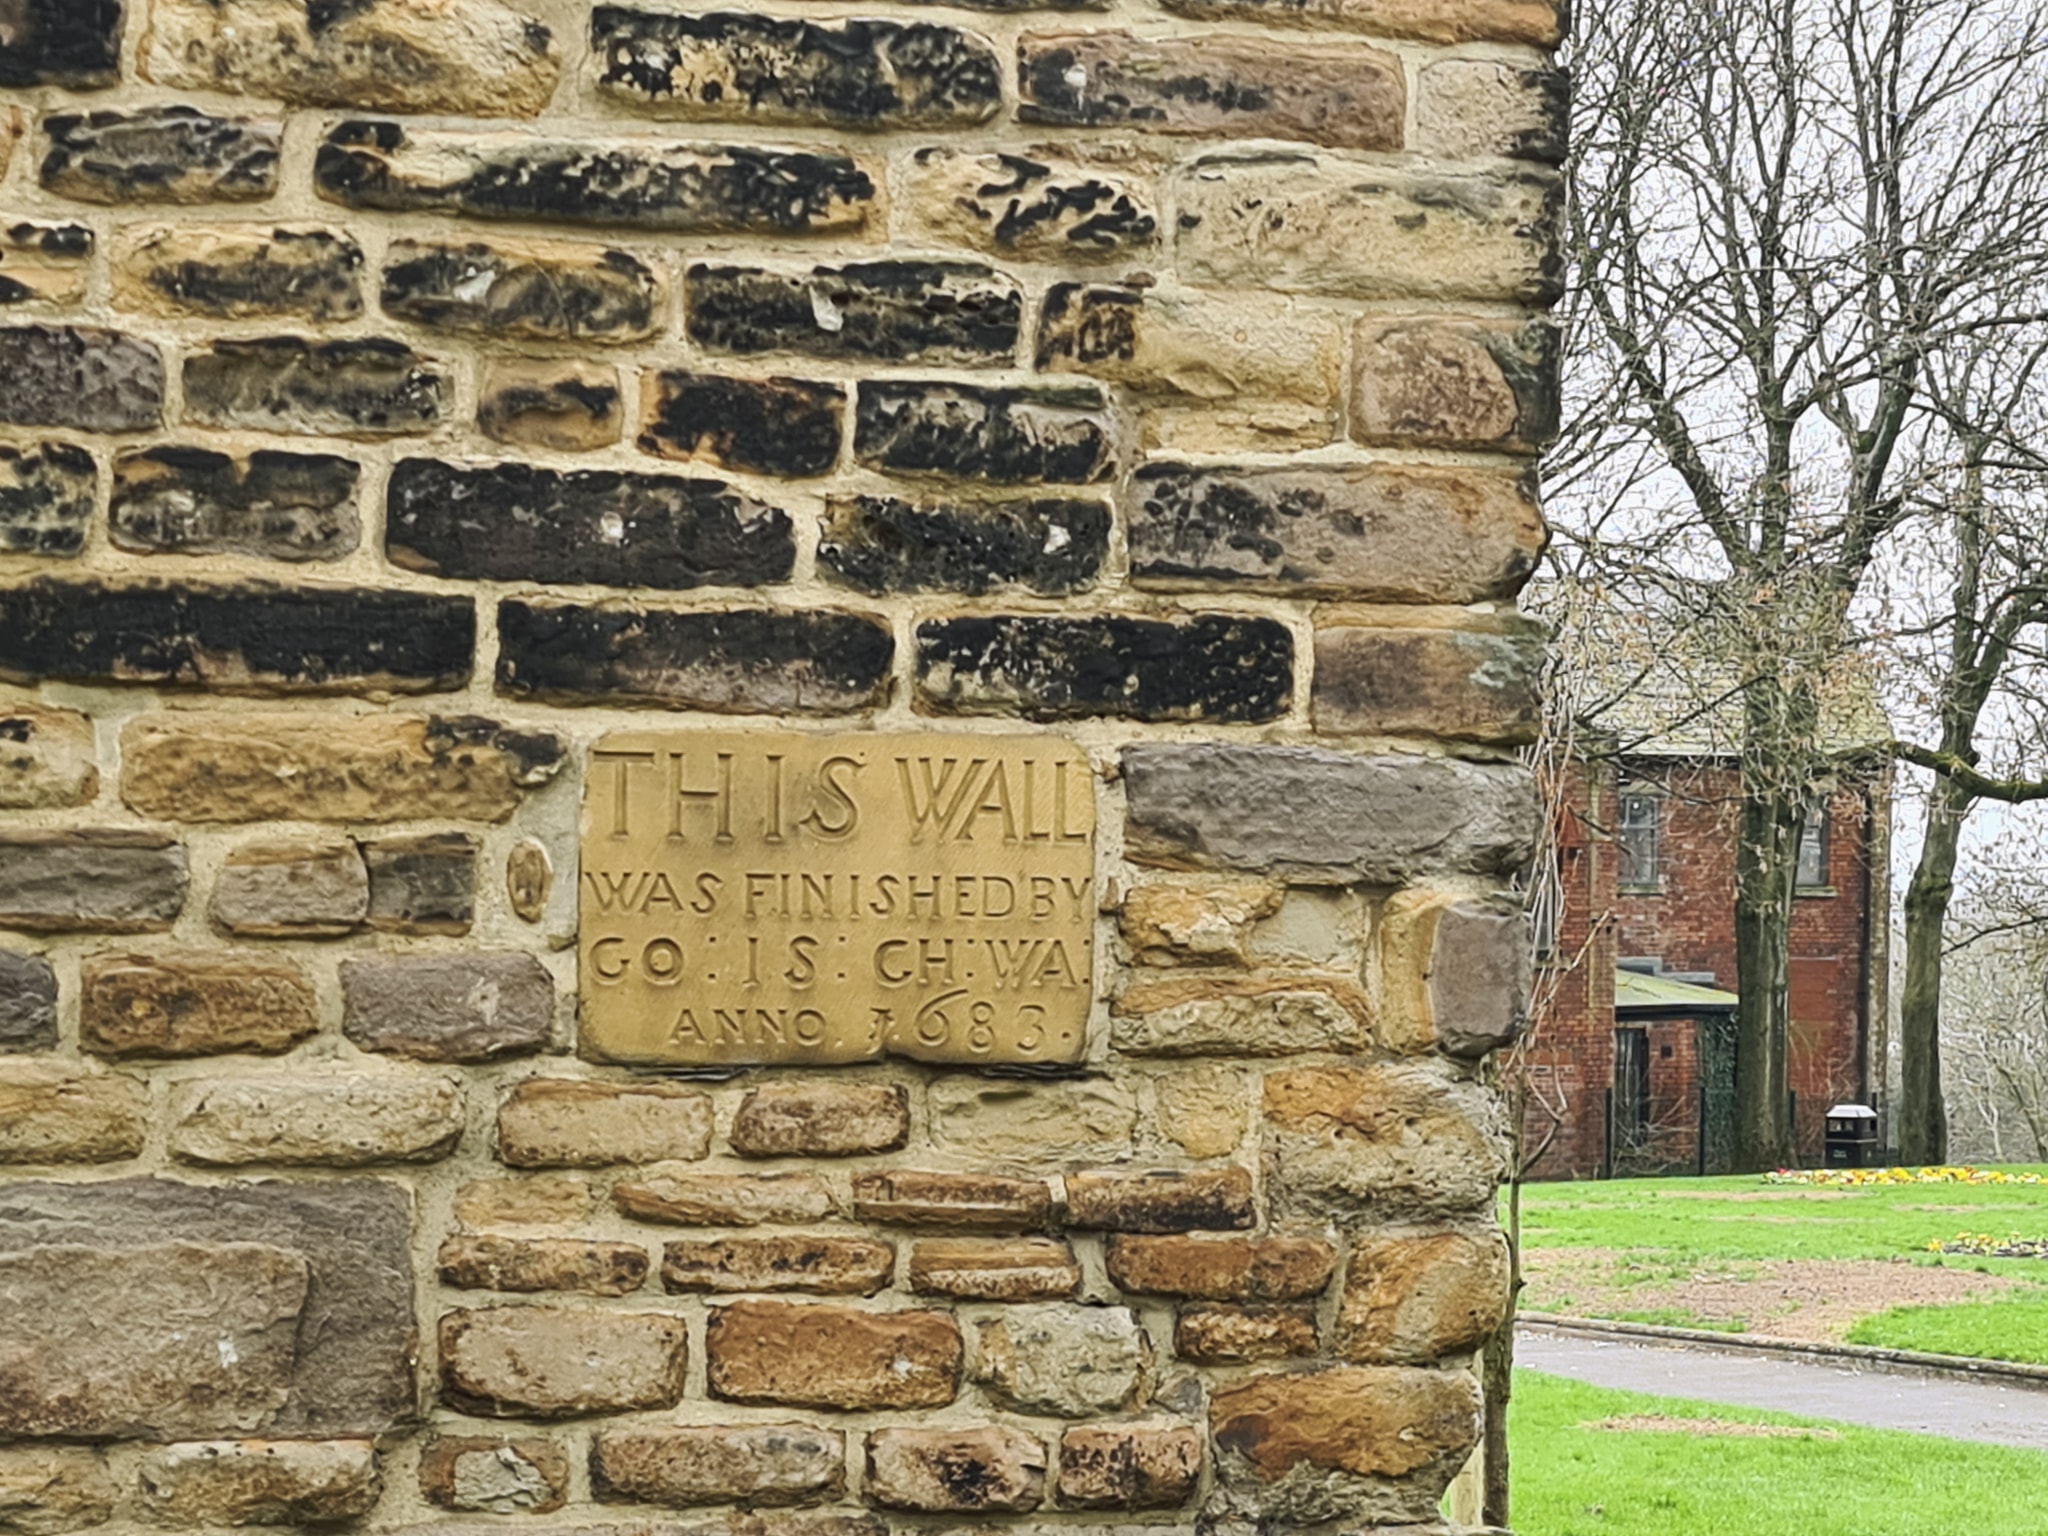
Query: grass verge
[{"x": 2004, "y": 1328}]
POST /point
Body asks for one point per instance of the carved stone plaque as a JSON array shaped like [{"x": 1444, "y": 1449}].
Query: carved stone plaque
[{"x": 759, "y": 896}]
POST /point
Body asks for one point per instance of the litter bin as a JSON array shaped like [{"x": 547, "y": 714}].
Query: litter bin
[{"x": 1852, "y": 1136}]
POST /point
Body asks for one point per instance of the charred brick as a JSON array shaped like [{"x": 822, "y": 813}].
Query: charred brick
[
  {"x": 543, "y": 290},
  {"x": 1004, "y": 436},
  {"x": 28, "y": 1002},
  {"x": 44, "y": 263},
  {"x": 1019, "y": 205},
  {"x": 367, "y": 387},
  {"x": 553, "y": 403},
  {"x": 238, "y": 272},
  {"x": 161, "y": 155},
  {"x": 79, "y": 377},
  {"x": 1161, "y": 1200},
  {"x": 888, "y": 311},
  {"x": 880, "y": 545},
  {"x": 786, "y": 427},
  {"x": 46, "y": 499},
  {"x": 193, "y": 501},
  {"x": 72, "y": 43}
]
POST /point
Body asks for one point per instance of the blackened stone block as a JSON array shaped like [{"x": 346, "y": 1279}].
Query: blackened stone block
[
  {"x": 90, "y": 881},
  {"x": 239, "y": 272},
  {"x": 547, "y": 290},
  {"x": 888, "y": 311},
  {"x": 787, "y": 427},
  {"x": 369, "y": 387},
  {"x": 161, "y": 155},
  {"x": 73, "y": 43},
  {"x": 44, "y": 263},
  {"x": 749, "y": 68},
  {"x": 1028, "y": 206},
  {"x": 741, "y": 662},
  {"x": 28, "y": 1002},
  {"x": 194, "y": 501},
  {"x": 516, "y": 522},
  {"x": 879, "y": 545},
  {"x": 967, "y": 432},
  {"x": 646, "y": 183},
  {"x": 1218, "y": 667},
  {"x": 253, "y": 635},
  {"x": 46, "y": 499},
  {"x": 422, "y": 884},
  {"x": 544, "y": 402},
  {"x": 79, "y": 377}
]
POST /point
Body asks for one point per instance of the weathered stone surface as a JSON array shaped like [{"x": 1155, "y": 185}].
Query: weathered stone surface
[
  {"x": 161, "y": 154},
  {"x": 556, "y": 1122},
  {"x": 529, "y": 879},
  {"x": 993, "y": 1469},
  {"x": 467, "y": 1007},
  {"x": 1342, "y": 94},
  {"x": 1469, "y": 108},
  {"x": 1063, "y": 1360},
  {"x": 1263, "y": 1016},
  {"x": 260, "y": 1482},
  {"x": 817, "y": 1119},
  {"x": 44, "y": 263},
  {"x": 346, "y": 1355},
  {"x": 1324, "y": 818},
  {"x": 28, "y": 1007},
  {"x": 1539, "y": 23},
  {"x": 1304, "y": 223},
  {"x": 194, "y": 501},
  {"x": 828, "y": 1266},
  {"x": 80, "y": 377},
  {"x": 1454, "y": 974},
  {"x": 560, "y": 1362},
  {"x": 478, "y": 58},
  {"x": 718, "y": 1464},
  {"x": 724, "y": 1199},
  {"x": 541, "y": 290},
  {"x": 1380, "y": 1141},
  {"x": 747, "y": 68},
  {"x": 238, "y": 272},
  {"x": 90, "y": 882},
  {"x": 821, "y": 1355},
  {"x": 495, "y": 1477},
  {"x": 193, "y": 1005},
  {"x": 534, "y": 402},
  {"x": 1005, "y": 436},
  {"x": 963, "y": 1202},
  {"x": 877, "y": 544},
  {"x": 887, "y": 311},
  {"x": 55, "y": 1114},
  {"x": 1388, "y": 533},
  {"x": 48, "y": 758},
  {"x": 485, "y": 1263},
  {"x": 235, "y": 635},
  {"x": 542, "y": 1200},
  {"x": 1202, "y": 1110},
  {"x": 1161, "y": 1200},
  {"x": 1342, "y": 1444},
  {"x": 1412, "y": 1300},
  {"x": 1433, "y": 383},
  {"x": 327, "y": 1116},
  {"x": 1091, "y": 1120},
  {"x": 47, "y": 1491},
  {"x": 47, "y": 495},
  {"x": 995, "y": 1269},
  {"x": 1223, "y": 1269},
  {"x": 741, "y": 661},
  {"x": 363, "y": 387},
  {"x": 292, "y": 890},
  {"x": 777, "y": 426},
  {"x": 72, "y": 43},
  {"x": 424, "y": 884},
  {"x": 1129, "y": 1466},
  {"x": 1226, "y": 1335},
  {"x": 1461, "y": 683},
  {"x": 644, "y": 183},
  {"x": 1221, "y": 667},
  {"x": 1194, "y": 924},
  {"x": 216, "y": 767},
  {"x": 1030, "y": 206}
]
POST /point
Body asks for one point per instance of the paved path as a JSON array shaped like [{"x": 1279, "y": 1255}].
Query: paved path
[{"x": 2002, "y": 1413}]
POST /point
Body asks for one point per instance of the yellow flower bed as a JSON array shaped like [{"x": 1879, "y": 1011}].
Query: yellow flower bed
[{"x": 1882, "y": 1176}]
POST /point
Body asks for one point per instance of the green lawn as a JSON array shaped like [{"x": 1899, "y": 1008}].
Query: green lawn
[{"x": 1572, "y": 1480}]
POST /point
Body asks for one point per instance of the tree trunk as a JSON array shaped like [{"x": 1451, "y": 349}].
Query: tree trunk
[
  {"x": 1923, "y": 1116},
  {"x": 1766, "y": 864},
  {"x": 1497, "y": 1378}
]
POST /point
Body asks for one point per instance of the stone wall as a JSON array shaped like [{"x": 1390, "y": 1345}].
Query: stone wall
[{"x": 399, "y": 397}]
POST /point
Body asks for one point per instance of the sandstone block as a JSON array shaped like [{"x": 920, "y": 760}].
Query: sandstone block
[
  {"x": 1454, "y": 973},
  {"x": 827, "y": 1266},
  {"x": 565, "y": 405},
  {"x": 1090, "y": 1120},
  {"x": 724, "y": 1199},
  {"x": 332, "y": 767},
  {"x": 1202, "y": 1110},
  {"x": 72, "y": 43},
  {"x": 28, "y": 1002},
  {"x": 160, "y": 154},
  {"x": 821, "y": 1120},
  {"x": 292, "y": 890},
  {"x": 941, "y": 312},
  {"x": 1436, "y": 383},
  {"x": 1413, "y": 1300},
  {"x": 45, "y": 263},
  {"x": 995, "y": 1269},
  {"x": 47, "y": 495},
  {"x": 821, "y": 1355},
  {"x": 80, "y": 377},
  {"x": 277, "y": 506},
  {"x": 965, "y": 1202},
  {"x": 994, "y": 1469},
  {"x": 1324, "y": 818},
  {"x": 1047, "y": 545},
  {"x": 482, "y": 1263},
  {"x": 529, "y": 879},
  {"x": 1129, "y": 1466},
  {"x": 1066, "y": 1361},
  {"x": 538, "y": 290},
  {"x": 1002, "y": 436},
  {"x": 776, "y": 426},
  {"x": 1227, "y": 1335},
  {"x": 238, "y": 272},
  {"x": 718, "y": 1464},
  {"x": 423, "y": 884},
  {"x": 1466, "y": 684},
  {"x": 1161, "y": 1200},
  {"x": 48, "y": 758},
  {"x": 495, "y": 1476},
  {"x": 328, "y": 1116},
  {"x": 1266, "y": 1016},
  {"x": 543, "y": 1200},
  {"x": 1032, "y": 206},
  {"x": 260, "y": 1482},
  {"x": 474, "y": 1007},
  {"x": 745, "y": 661},
  {"x": 1194, "y": 924},
  {"x": 1471, "y": 108},
  {"x": 559, "y": 1362},
  {"x": 1379, "y": 1141},
  {"x": 365, "y": 387},
  {"x": 1538, "y": 23},
  {"x": 550, "y": 1122},
  {"x": 91, "y": 881},
  {"x": 193, "y": 1005},
  {"x": 481, "y": 58},
  {"x": 52, "y": 1492},
  {"x": 1223, "y": 1269},
  {"x": 53, "y": 1114}
]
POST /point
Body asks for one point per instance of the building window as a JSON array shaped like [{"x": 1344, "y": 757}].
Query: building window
[
  {"x": 1813, "y": 850},
  {"x": 1631, "y": 1128},
  {"x": 1640, "y": 838}
]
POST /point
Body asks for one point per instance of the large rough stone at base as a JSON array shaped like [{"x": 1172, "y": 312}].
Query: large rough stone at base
[
  {"x": 1063, "y": 1360},
  {"x": 48, "y": 758},
  {"x": 995, "y": 1470},
  {"x": 45, "y": 1491},
  {"x": 716, "y": 1464},
  {"x": 1411, "y": 1300},
  {"x": 1325, "y": 818},
  {"x": 55, "y": 1114},
  {"x": 828, "y": 1356},
  {"x": 93, "y": 881},
  {"x": 28, "y": 1002},
  {"x": 1379, "y": 1141},
  {"x": 260, "y": 1482},
  {"x": 334, "y": 1116},
  {"x": 561, "y": 1362},
  {"x": 193, "y": 1005}
]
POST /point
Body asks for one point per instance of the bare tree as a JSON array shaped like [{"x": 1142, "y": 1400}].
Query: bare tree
[{"x": 1995, "y": 1001}]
